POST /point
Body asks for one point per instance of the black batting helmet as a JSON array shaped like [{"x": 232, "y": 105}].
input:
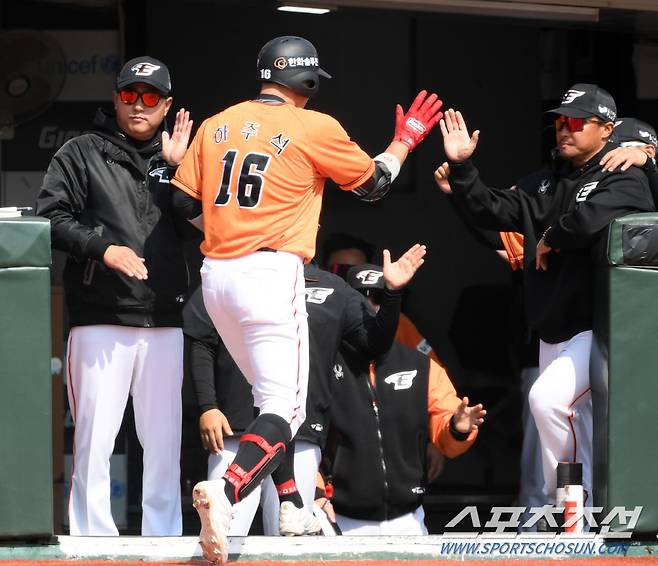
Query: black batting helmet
[{"x": 292, "y": 62}]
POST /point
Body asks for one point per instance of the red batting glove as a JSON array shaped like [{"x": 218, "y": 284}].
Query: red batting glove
[{"x": 412, "y": 127}]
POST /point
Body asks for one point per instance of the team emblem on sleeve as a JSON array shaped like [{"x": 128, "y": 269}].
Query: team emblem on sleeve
[{"x": 402, "y": 379}]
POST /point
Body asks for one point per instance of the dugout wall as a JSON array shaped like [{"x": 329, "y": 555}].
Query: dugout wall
[
  {"x": 26, "y": 484},
  {"x": 624, "y": 372}
]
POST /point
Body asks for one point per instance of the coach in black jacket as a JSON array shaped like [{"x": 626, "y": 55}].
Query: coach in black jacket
[
  {"x": 109, "y": 201},
  {"x": 561, "y": 222}
]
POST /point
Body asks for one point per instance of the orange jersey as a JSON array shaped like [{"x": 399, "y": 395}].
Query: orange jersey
[
  {"x": 259, "y": 170},
  {"x": 408, "y": 334},
  {"x": 513, "y": 242},
  {"x": 442, "y": 401}
]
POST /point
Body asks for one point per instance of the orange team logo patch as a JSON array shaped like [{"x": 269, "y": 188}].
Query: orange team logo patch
[{"x": 280, "y": 63}]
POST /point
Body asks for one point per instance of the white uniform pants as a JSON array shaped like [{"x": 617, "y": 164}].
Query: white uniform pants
[
  {"x": 107, "y": 363},
  {"x": 531, "y": 489},
  {"x": 411, "y": 524},
  {"x": 561, "y": 403},
  {"x": 257, "y": 304},
  {"x": 307, "y": 461}
]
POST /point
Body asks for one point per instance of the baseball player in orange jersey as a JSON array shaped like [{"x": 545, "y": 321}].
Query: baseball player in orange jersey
[{"x": 256, "y": 171}]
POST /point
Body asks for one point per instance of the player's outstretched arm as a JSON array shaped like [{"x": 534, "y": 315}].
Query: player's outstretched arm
[
  {"x": 457, "y": 143},
  {"x": 397, "y": 274}
]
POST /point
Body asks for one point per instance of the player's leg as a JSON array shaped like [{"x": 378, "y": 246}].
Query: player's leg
[
  {"x": 245, "y": 510},
  {"x": 278, "y": 516},
  {"x": 100, "y": 368},
  {"x": 257, "y": 304},
  {"x": 560, "y": 402},
  {"x": 156, "y": 393}
]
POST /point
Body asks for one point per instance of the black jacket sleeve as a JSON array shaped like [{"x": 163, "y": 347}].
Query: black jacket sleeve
[
  {"x": 201, "y": 367},
  {"x": 371, "y": 334},
  {"x": 616, "y": 194},
  {"x": 492, "y": 209},
  {"x": 62, "y": 200},
  {"x": 488, "y": 238}
]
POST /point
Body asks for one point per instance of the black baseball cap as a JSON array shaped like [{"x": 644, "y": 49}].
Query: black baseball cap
[
  {"x": 633, "y": 130},
  {"x": 146, "y": 70},
  {"x": 366, "y": 276},
  {"x": 583, "y": 100}
]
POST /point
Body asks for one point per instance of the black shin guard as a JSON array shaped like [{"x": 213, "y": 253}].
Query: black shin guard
[{"x": 262, "y": 448}]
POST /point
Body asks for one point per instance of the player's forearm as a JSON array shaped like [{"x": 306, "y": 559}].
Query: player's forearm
[{"x": 202, "y": 374}]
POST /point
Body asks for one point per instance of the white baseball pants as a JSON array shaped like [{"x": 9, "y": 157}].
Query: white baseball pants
[
  {"x": 107, "y": 363},
  {"x": 410, "y": 524},
  {"x": 561, "y": 403},
  {"x": 258, "y": 305}
]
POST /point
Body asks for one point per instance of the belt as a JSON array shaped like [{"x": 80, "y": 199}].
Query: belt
[{"x": 266, "y": 250}]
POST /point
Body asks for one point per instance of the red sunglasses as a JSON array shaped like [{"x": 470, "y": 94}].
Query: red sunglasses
[
  {"x": 150, "y": 99},
  {"x": 574, "y": 124}
]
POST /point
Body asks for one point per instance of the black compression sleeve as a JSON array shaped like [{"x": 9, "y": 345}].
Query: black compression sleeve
[
  {"x": 202, "y": 372},
  {"x": 185, "y": 205}
]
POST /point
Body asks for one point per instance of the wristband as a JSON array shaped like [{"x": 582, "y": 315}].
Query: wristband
[{"x": 392, "y": 163}]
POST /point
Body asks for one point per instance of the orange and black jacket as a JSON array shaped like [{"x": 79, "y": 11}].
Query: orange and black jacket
[{"x": 383, "y": 414}]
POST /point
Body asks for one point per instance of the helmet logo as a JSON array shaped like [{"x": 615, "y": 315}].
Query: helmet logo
[{"x": 280, "y": 63}]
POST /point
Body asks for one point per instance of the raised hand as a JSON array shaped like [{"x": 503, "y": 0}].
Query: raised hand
[
  {"x": 467, "y": 419},
  {"x": 400, "y": 272},
  {"x": 175, "y": 146},
  {"x": 441, "y": 177},
  {"x": 457, "y": 144},
  {"x": 412, "y": 127}
]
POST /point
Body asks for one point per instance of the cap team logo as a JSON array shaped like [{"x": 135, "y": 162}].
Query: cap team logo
[
  {"x": 402, "y": 379},
  {"x": 648, "y": 135},
  {"x": 607, "y": 112},
  {"x": 571, "y": 95},
  {"x": 280, "y": 62},
  {"x": 585, "y": 190},
  {"x": 369, "y": 276},
  {"x": 144, "y": 69},
  {"x": 317, "y": 295}
]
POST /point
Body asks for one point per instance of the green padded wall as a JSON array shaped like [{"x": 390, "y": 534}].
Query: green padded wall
[
  {"x": 26, "y": 489},
  {"x": 624, "y": 376}
]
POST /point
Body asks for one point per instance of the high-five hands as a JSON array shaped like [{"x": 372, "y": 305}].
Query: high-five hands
[
  {"x": 412, "y": 127},
  {"x": 398, "y": 273},
  {"x": 175, "y": 146},
  {"x": 457, "y": 144}
]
